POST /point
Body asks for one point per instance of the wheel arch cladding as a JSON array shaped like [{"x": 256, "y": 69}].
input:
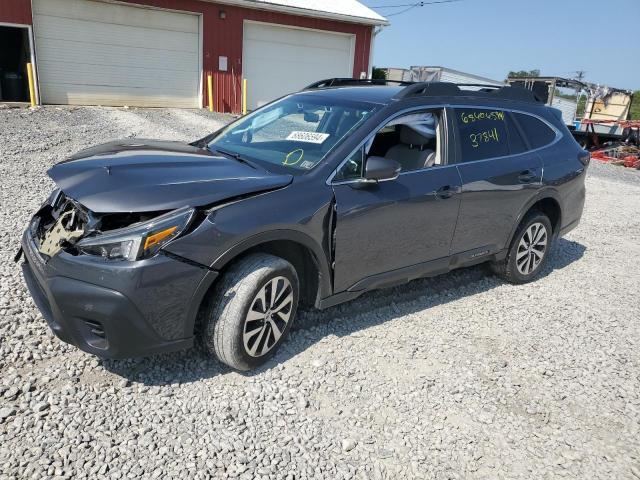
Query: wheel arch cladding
[
  {"x": 303, "y": 259},
  {"x": 546, "y": 202},
  {"x": 551, "y": 208},
  {"x": 308, "y": 258}
]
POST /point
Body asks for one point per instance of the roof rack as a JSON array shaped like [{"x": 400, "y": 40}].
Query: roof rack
[
  {"x": 351, "y": 82},
  {"x": 433, "y": 89}
]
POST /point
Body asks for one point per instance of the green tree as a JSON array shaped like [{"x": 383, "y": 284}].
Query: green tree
[
  {"x": 524, "y": 73},
  {"x": 378, "y": 73},
  {"x": 582, "y": 104},
  {"x": 635, "y": 106}
]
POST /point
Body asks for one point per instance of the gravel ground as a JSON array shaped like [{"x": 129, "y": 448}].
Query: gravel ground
[{"x": 460, "y": 376}]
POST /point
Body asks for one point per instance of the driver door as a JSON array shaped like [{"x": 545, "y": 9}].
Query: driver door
[{"x": 393, "y": 224}]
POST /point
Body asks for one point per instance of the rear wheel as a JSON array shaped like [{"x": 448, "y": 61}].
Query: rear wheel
[
  {"x": 529, "y": 250},
  {"x": 251, "y": 311}
]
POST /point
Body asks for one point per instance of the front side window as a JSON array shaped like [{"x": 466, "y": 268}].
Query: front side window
[
  {"x": 413, "y": 140},
  {"x": 482, "y": 133},
  {"x": 352, "y": 169},
  {"x": 295, "y": 133}
]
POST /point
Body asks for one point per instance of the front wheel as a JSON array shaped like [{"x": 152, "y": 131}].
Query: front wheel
[
  {"x": 529, "y": 250},
  {"x": 251, "y": 311}
]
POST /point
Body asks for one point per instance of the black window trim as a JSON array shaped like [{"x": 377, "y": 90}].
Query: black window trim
[
  {"x": 519, "y": 131},
  {"x": 373, "y": 133},
  {"x": 558, "y": 133}
]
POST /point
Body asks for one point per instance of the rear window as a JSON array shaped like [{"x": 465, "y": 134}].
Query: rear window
[
  {"x": 483, "y": 133},
  {"x": 538, "y": 133}
]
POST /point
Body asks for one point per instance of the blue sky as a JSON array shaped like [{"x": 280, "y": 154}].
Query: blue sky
[{"x": 491, "y": 37}]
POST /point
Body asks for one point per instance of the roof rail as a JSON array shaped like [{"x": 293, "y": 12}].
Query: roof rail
[
  {"x": 432, "y": 89},
  {"x": 428, "y": 89},
  {"x": 350, "y": 82}
]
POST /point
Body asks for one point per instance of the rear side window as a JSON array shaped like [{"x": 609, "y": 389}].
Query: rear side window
[
  {"x": 516, "y": 143},
  {"x": 483, "y": 133},
  {"x": 538, "y": 133}
]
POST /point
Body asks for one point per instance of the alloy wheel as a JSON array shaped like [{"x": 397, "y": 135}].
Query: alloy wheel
[
  {"x": 532, "y": 248},
  {"x": 268, "y": 316}
]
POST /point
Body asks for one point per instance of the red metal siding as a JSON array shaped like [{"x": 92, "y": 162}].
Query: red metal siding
[
  {"x": 15, "y": 11},
  {"x": 224, "y": 38}
]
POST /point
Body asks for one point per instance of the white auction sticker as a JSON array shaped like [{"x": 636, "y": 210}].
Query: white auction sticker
[{"x": 309, "y": 137}]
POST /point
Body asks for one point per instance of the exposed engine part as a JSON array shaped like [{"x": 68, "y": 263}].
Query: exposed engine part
[
  {"x": 66, "y": 229},
  {"x": 61, "y": 223}
]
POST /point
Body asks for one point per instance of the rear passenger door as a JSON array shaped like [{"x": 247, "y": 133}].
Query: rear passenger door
[{"x": 499, "y": 176}]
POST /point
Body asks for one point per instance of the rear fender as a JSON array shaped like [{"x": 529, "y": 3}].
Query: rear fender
[{"x": 541, "y": 195}]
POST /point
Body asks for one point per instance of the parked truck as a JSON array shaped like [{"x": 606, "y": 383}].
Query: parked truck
[
  {"x": 438, "y": 74},
  {"x": 605, "y": 113}
]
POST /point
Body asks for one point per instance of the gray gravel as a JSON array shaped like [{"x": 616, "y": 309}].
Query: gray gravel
[{"x": 460, "y": 376}]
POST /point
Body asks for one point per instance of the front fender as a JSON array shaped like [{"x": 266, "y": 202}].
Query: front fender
[{"x": 297, "y": 214}]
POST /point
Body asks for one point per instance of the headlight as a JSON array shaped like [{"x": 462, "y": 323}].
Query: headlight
[{"x": 138, "y": 241}]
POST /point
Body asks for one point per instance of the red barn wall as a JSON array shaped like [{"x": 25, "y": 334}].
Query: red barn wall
[
  {"x": 15, "y": 11},
  {"x": 223, "y": 37}
]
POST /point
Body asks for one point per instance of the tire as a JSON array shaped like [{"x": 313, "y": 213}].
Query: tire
[
  {"x": 242, "y": 299},
  {"x": 513, "y": 268}
]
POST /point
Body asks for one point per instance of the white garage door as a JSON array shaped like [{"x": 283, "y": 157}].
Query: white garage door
[
  {"x": 95, "y": 53},
  {"x": 278, "y": 60}
]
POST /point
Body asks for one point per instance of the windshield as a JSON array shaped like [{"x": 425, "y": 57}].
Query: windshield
[{"x": 295, "y": 133}]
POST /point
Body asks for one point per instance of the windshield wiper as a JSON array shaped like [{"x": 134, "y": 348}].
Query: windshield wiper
[{"x": 238, "y": 157}]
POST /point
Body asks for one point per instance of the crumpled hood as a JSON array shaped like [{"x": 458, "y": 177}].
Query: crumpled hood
[{"x": 148, "y": 175}]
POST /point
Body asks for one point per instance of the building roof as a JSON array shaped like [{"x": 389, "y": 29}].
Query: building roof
[{"x": 344, "y": 10}]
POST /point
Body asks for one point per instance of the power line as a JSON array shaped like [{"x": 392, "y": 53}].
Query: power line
[{"x": 411, "y": 5}]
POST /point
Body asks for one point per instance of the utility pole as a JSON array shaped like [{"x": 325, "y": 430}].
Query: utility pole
[{"x": 580, "y": 74}]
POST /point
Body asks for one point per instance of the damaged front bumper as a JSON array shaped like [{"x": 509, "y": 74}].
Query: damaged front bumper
[{"x": 116, "y": 309}]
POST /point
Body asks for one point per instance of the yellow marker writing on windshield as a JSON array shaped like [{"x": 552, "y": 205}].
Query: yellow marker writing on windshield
[{"x": 288, "y": 157}]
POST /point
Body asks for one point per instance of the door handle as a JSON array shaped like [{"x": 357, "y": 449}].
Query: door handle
[
  {"x": 527, "y": 176},
  {"x": 446, "y": 192}
]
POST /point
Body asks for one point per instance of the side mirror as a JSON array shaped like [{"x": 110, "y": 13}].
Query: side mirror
[{"x": 380, "y": 169}]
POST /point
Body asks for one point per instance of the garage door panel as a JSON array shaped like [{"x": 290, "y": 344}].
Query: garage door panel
[
  {"x": 107, "y": 55},
  {"x": 100, "y": 12},
  {"x": 300, "y": 56},
  {"x": 118, "y": 76},
  {"x": 278, "y": 60},
  {"x": 94, "y": 53},
  {"x": 55, "y": 28},
  {"x": 113, "y": 96},
  {"x": 287, "y": 67},
  {"x": 303, "y": 37},
  {"x": 287, "y": 50}
]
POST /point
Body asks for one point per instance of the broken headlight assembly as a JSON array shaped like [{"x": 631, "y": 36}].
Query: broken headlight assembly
[{"x": 142, "y": 240}]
